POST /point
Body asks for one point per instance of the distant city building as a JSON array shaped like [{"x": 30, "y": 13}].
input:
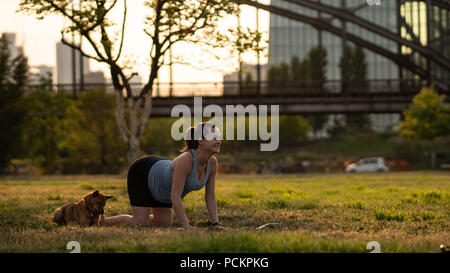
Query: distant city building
[
  {"x": 289, "y": 38},
  {"x": 44, "y": 69},
  {"x": 136, "y": 84},
  {"x": 39, "y": 72},
  {"x": 12, "y": 47},
  {"x": 64, "y": 77},
  {"x": 36, "y": 72},
  {"x": 434, "y": 35},
  {"x": 94, "y": 79},
  {"x": 249, "y": 75}
]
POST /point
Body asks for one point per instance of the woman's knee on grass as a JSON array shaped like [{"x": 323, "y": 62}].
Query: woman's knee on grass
[
  {"x": 161, "y": 217},
  {"x": 160, "y": 222},
  {"x": 140, "y": 222},
  {"x": 141, "y": 216}
]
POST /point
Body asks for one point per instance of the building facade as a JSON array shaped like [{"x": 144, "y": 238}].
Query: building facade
[
  {"x": 13, "y": 49},
  {"x": 95, "y": 80},
  {"x": 40, "y": 72},
  {"x": 429, "y": 27},
  {"x": 410, "y": 19},
  {"x": 249, "y": 75},
  {"x": 64, "y": 68},
  {"x": 290, "y": 38}
]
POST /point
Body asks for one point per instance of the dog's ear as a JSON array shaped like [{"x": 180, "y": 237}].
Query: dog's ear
[
  {"x": 108, "y": 197},
  {"x": 95, "y": 193}
]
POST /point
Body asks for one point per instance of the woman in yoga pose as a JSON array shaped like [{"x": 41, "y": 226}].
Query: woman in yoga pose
[{"x": 157, "y": 184}]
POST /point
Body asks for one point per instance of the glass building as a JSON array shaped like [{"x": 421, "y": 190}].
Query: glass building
[
  {"x": 430, "y": 27},
  {"x": 411, "y": 20},
  {"x": 290, "y": 38}
]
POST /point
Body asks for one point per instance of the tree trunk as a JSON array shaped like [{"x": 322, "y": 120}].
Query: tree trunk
[
  {"x": 433, "y": 158},
  {"x": 120, "y": 116},
  {"x": 134, "y": 149},
  {"x": 139, "y": 110}
]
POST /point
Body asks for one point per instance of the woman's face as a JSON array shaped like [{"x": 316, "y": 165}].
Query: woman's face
[{"x": 212, "y": 141}]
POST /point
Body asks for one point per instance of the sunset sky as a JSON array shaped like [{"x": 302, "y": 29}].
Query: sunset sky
[{"x": 39, "y": 38}]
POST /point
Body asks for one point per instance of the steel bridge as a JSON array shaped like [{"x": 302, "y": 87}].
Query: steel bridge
[
  {"x": 384, "y": 96},
  {"x": 307, "y": 98},
  {"x": 434, "y": 49},
  {"x": 421, "y": 61}
]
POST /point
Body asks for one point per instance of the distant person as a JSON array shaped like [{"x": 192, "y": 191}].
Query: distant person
[{"x": 156, "y": 184}]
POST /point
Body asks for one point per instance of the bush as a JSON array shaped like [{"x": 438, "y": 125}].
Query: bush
[
  {"x": 48, "y": 128},
  {"x": 95, "y": 144}
]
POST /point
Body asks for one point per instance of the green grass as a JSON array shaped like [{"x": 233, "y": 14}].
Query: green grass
[
  {"x": 354, "y": 205},
  {"x": 390, "y": 215},
  {"x": 55, "y": 197},
  {"x": 405, "y": 212}
]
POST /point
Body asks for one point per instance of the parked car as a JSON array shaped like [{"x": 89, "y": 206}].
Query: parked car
[{"x": 370, "y": 164}]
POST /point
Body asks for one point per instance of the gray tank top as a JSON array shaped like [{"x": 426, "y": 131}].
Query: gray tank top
[{"x": 160, "y": 179}]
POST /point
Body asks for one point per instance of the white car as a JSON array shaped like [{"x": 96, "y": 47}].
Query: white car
[{"x": 370, "y": 164}]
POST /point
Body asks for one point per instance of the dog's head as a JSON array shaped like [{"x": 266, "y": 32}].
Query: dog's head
[{"x": 96, "y": 201}]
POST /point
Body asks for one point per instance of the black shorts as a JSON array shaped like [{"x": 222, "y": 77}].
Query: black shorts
[{"x": 140, "y": 195}]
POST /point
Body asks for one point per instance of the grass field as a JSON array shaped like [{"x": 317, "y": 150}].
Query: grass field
[{"x": 404, "y": 212}]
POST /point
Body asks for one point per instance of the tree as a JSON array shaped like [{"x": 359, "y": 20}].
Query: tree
[
  {"x": 168, "y": 22},
  {"x": 13, "y": 109},
  {"x": 293, "y": 128},
  {"x": 93, "y": 146},
  {"x": 354, "y": 79},
  {"x": 312, "y": 72},
  {"x": 317, "y": 67},
  {"x": 317, "y": 122},
  {"x": 278, "y": 76},
  {"x": 426, "y": 119},
  {"x": 359, "y": 67},
  {"x": 301, "y": 76},
  {"x": 299, "y": 73},
  {"x": 248, "y": 85},
  {"x": 353, "y": 67},
  {"x": 163, "y": 144},
  {"x": 295, "y": 69},
  {"x": 48, "y": 127},
  {"x": 338, "y": 129},
  {"x": 357, "y": 123}
]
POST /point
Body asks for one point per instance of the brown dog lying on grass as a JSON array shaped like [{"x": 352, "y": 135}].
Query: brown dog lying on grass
[{"x": 84, "y": 212}]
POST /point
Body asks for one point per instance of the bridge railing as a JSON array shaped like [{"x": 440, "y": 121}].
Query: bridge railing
[{"x": 328, "y": 88}]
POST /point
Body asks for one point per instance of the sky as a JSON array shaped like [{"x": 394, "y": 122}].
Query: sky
[{"x": 39, "y": 38}]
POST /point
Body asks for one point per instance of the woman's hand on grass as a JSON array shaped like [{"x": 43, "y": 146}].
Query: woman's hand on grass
[{"x": 218, "y": 226}]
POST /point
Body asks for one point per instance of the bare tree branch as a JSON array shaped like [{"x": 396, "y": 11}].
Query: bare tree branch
[
  {"x": 123, "y": 31},
  {"x": 64, "y": 41}
]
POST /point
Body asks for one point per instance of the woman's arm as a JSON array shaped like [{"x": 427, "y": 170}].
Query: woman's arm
[
  {"x": 210, "y": 192},
  {"x": 180, "y": 172}
]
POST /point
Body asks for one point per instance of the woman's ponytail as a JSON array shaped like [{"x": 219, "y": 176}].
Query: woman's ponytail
[{"x": 190, "y": 141}]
